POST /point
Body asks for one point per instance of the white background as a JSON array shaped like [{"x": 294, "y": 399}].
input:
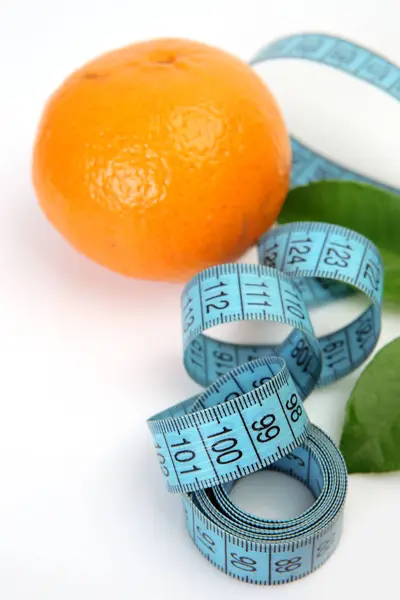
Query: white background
[{"x": 87, "y": 355}]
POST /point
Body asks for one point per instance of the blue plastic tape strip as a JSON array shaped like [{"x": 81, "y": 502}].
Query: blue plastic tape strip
[
  {"x": 345, "y": 56},
  {"x": 251, "y": 414}
]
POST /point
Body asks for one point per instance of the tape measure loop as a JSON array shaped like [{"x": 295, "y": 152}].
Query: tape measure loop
[
  {"x": 272, "y": 552},
  {"x": 246, "y": 420},
  {"x": 320, "y": 252},
  {"x": 251, "y": 414},
  {"x": 345, "y": 56}
]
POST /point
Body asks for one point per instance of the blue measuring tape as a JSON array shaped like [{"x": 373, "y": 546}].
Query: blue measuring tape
[
  {"x": 345, "y": 56},
  {"x": 251, "y": 414}
]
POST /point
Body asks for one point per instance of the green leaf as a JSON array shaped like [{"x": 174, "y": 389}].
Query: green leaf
[
  {"x": 371, "y": 435},
  {"x": 362, "y": 207}
]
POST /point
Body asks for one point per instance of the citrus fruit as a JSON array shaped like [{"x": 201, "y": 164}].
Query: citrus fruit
[{"x": 162, "y": 158}]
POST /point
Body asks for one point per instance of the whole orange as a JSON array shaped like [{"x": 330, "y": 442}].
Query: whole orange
[{"x": 162, "y": 158}]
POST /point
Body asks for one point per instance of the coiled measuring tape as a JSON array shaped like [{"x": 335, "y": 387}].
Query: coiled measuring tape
[{"x": 251, "y": 415}]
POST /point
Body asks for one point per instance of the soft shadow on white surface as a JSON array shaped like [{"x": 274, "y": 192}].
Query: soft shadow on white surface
[{"x": 271, "y": 495}]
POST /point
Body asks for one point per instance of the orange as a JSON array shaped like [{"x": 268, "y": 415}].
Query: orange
[{"x": 162, "y": 158}]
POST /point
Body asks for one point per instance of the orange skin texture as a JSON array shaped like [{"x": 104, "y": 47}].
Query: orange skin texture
[{"x": 162, "y": 158}]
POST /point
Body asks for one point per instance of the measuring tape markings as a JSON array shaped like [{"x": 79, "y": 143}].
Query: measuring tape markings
[
  {"x": 252, "y": 415},
  {"x": 219, "y": 295},
  {"x": 233, "y": 293},
  {"x": 243, "y": 420},
  {"x": 324, "y": 251},
  {"x": 347, "y": 57},
  {"x": 332, "y": 251},
  {"x": 264, "y": 551},
  {"x": 202, "y": 447}
]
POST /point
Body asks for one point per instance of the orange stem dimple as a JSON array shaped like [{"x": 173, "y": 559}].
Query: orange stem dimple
[{"x": 162, "y": 57}]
